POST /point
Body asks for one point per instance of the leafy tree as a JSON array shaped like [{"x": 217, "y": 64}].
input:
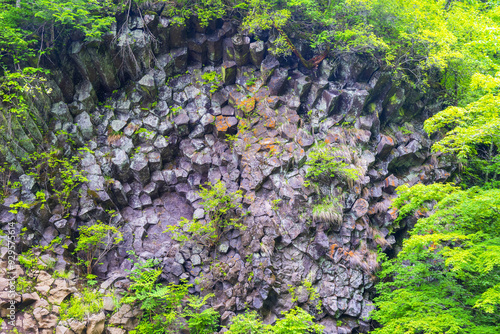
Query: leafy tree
[
  {"x": 224, "y": 211},
  {"x": 94, "y": 242},
  {"x": 446, "y": 278},
  {"x": 472, "y": 133},
  {"x": 30, "y": 28}
]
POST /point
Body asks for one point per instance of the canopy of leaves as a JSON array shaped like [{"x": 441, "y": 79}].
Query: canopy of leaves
[{"x": 446, "y": 278}]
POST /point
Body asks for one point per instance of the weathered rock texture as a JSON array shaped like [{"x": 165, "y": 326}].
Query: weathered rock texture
[{"x": 162, "y": 133}]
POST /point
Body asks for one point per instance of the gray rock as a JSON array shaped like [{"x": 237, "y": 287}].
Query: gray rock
[
  {"x": 241, "y": 45},
  {"x": 229, "y": 72},
  {"x": 257, "y": 51},
  {"x": 384, "y": 146},
  {"x": 278, "y": 82},
  {"x": 84, "y": 99},
  {"x": 121, "y": 163},
  {"x": 267, "y": 68},
  {"x": 117, "y": 125},
  {"x": 151, "y": 122},
  {"x": 139, "y": 168},
  {"x": 60, "y": 112},
  {"x": 85, "y": 125},
  {"x": 390, "y": 184},
  {"x": 154, "y": 159},
  {"x": 214, "y": 49}
]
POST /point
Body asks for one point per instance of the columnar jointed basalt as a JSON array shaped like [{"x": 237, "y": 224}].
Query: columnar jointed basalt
[{"x": 156, "y": 130}]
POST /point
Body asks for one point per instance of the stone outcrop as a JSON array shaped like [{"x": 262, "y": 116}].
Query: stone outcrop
[{"x": 164, "y": 132}]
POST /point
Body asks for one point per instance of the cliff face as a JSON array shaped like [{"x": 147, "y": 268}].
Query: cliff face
[{"x": 154, "y": 104}]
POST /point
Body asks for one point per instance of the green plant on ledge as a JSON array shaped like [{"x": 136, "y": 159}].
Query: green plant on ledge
[
  {"x": 213, "y": 79},
  {"x": 327, "y": 161},
  {"x": 80, "y": 306},
  {"x": 57, "y": 174},
  {"x": 165, "y": 306},
  {"x": 224, "y": 211},
  {"x": 94, "y": 242}
]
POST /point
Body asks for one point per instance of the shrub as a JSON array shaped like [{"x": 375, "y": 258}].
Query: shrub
[
  {"x": 201, "y": 322},
  {"x": 326, "y": 162},
  {"x": 57, "y": 174},
  {"x": 296, "y": 321},
  {"x": 161, "y": 303},
  {"x": 80, "y": 306},
  {"x": 247, "y": 323},
  {"x": 222, "y": 208},
  {"x": 213, "y": 79},
  {"x": 94, "y": 242}
]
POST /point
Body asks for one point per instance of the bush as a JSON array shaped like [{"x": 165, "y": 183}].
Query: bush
[
  {"x": 326, "y": 162},
  {"x": 247, "y": 323},
  {"x": 58, "y": 174},
  {"x": 163, "y": 304},
  {"x": 81, "y": 306},
  {"x": 297, "y": 321},
  {"x": 201, "y": 322},
  {"x": 222, "y": 207},
  {"x": 95, "y": 242}
]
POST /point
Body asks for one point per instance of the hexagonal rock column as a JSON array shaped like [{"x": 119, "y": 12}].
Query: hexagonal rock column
[
  {"x": 257, "y": 51},
  {"x": 241, "y": 46},
  {"x": 224, "y": 125},
  {"x": 214, "y": 49},
  {"x": 229, "y": 72}
]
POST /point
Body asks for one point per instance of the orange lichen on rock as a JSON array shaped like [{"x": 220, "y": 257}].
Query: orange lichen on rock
[
  {"x": 221, "y": 123},
  {"x": 247, "y": 105},
  {"x": 270, "y": 123}
]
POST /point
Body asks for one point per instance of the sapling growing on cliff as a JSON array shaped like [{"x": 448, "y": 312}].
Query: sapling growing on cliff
[
  {"x": 94, "y": 242},
  {"x": 224, "y": 210}
]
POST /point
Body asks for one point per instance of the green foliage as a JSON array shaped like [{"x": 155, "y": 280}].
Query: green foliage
[
  {"x": 223, "y": 208},
  {"x": 213, "y": 79},
  {"x": 34, "y": 27},
  {"x": 204, "y": 10},
  {"x": 472, "y": 133},
  {"x": 24, "y": 285},
  {"x": 81, "y": 305},
  {"x": 201, "y": 322},
  {"x": 58, "y": 174},
  {"x": 327, "y": 162},
  {"x": 296, "y": 321},
  {"x": 446, "y": 278},
  {"x": 247, "y": 323},
  {"x": 30, "y": 259},
  {"x": 161, "y": 304},
  {"x": 15, "y": 86},
  {"x": 94, "y": 242}
]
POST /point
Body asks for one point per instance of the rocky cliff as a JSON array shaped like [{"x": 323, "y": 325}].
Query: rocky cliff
[{"x": 163, "y": 109}]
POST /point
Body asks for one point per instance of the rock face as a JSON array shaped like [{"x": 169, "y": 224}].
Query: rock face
[{"x": 166, "y": 131}]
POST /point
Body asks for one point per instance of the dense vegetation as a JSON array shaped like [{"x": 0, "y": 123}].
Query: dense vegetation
[{"x": 446, "y": 279}]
